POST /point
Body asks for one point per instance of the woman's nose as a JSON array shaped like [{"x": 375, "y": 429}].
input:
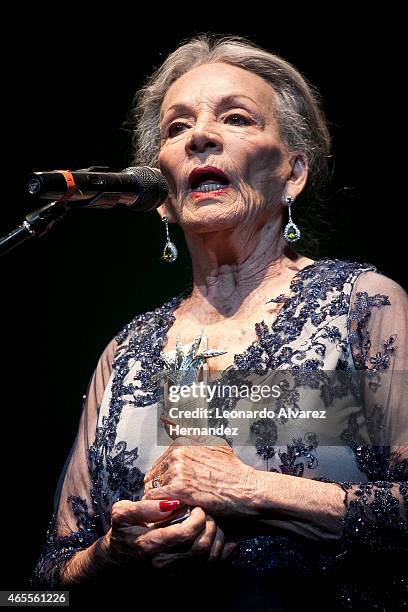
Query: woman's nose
[{"x": 202, "y": 138}]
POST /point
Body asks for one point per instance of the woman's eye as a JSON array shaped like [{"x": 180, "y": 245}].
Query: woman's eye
[
  {"x": 175, "y": 129},
  {"x": 237, "y": 120}
]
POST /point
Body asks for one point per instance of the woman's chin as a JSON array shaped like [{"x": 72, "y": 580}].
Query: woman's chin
[
  {"x": 212, "y": 213},
  {"x": 210, "y": 219}
]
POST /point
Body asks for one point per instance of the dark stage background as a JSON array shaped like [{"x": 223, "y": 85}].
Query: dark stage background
[{"x": 67, "y": 91}]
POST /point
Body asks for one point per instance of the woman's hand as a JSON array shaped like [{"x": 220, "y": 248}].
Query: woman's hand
[
  {"x": 130, "y": 537},
  {"x": 209, "y": 476}
]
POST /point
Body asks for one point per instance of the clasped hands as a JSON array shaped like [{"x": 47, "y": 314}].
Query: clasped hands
[
  {"x": 205, "y": 473},
  {"x": 208, "y": 478}
]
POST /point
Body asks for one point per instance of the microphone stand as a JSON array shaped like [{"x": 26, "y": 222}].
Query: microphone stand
[
  {"x": 35, "y": 224},
  {"x": 42, "y": 220}
]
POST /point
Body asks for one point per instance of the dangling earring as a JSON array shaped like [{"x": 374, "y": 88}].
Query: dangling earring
[
  {"x": 291, "y": 231},
  {"x": 170, "y": 251}
]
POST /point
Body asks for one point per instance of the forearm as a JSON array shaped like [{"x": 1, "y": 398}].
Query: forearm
[
  {"x": 310, "y": 508},
  {"x": 88, "y": 564}
]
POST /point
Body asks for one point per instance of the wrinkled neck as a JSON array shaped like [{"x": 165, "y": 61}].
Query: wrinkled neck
[{"x": 229, "y": 266}]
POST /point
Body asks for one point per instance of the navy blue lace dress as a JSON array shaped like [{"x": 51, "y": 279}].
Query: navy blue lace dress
[{"x": 341, "y": 317}]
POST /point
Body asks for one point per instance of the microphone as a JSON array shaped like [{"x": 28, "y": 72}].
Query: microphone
[{"x": 140, "y": 188}]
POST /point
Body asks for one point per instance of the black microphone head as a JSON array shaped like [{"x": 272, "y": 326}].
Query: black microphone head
[{"x": 153, "y": 187}]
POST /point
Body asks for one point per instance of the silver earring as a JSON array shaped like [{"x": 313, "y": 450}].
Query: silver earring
[
  {"x": 291, "y": 231},
  {"x": 170, "y": 252}
]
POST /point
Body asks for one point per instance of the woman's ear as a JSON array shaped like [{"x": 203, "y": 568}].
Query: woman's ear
[{"x": 298, "y": 176}]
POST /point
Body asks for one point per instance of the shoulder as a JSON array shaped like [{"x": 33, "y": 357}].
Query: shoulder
[
  {"x": 375, "y": 283},
  {"x": 331, "y": 274},
  {"x": 370, "y": 290},
  {"x": 378, "y": 321},
  {"x": 379, "y": 304},
  {"x": 363, "y": 276}
]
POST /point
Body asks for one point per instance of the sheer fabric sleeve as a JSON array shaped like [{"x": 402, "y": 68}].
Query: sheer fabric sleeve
[
  {"x": 376, "y": 516},
  {"x": 75, "y": 523}
]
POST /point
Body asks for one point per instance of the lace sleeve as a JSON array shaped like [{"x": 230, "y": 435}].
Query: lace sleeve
[
  {"x": 377, "y": 511},
  {"x": 75, "y": 523}
]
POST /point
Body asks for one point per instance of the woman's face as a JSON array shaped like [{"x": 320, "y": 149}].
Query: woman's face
[{"x": 221, "y": 151}]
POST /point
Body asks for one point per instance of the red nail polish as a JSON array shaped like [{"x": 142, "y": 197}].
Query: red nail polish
[{"x": 168, "y": 504}]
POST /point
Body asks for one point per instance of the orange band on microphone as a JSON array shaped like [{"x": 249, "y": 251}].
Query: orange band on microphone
[{"x": 70, "y": 181}]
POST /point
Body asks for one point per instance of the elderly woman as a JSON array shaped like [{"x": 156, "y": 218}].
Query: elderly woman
[{"x": 239, "y": 136}]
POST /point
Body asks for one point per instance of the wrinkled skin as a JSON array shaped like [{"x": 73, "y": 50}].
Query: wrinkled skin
[
  {"x": 196, "y": 538},
  {"x": 210, "y": 476},
  {"x": 224, "y": 116}
]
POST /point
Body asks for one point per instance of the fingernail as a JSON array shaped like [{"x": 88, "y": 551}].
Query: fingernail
[{"x": 168, "y": 504}]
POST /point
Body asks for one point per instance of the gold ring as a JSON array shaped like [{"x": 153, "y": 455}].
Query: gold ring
[{"x": 156, "y": 482}]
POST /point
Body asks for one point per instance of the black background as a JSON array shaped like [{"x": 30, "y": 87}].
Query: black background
[{"x": 67, "y": 88}]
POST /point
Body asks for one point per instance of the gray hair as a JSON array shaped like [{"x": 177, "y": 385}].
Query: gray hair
[{"x": 302, "y": 123}]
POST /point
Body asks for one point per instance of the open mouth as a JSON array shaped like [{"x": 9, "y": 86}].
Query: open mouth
[{"x": 207, "y": 179}]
